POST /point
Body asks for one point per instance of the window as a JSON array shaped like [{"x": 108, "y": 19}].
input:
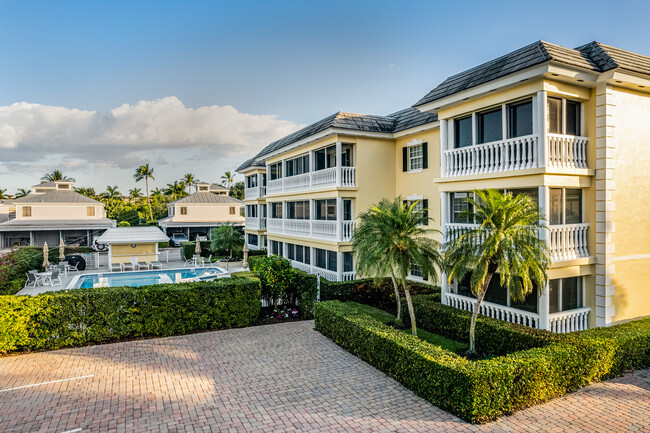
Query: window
[
  {"x": 291, "y": 251},
  {"x": 565, "y": 294},
  {"x": 416, "y": 271},
  {"x": 347, "y": 210},
  {"x": 252, "y": 239},
  {"x": 251, "y": 211},
  {"x": 325, "y": 209},
  {"x": 298, "y": 210},
  {"x": 263, "y": 179},
  {"x": 565, "y": 206},
  {"x": 326, "y": 259},
  {"x": 325, "y": 158},
  {"x": 297, "y": 166},
  {"x": 563, "y": 116},
  {"x": 232, "y": 210},
  {"x": 420, "y": 206},
  {"x": 300, "y": 256},
  {"x": 346, "y": 155},
  {"x": 251, "y": 181},
  {"x": 520, "y": 118},
  {"x": 183, "y": 210},
  {"x": 489, "y": 125},
  {"x": 531, "y": 192},
  {"x": 498, "y": 294},
  {"x": 463, "y": 132},
  {"x": 415, "y": 157},
  {"x": 276, "y": 210},
  {"x": 348, "y": 265},
  {"x": 276, "y": 248},
  {"x": 276, "y": 170},
  {"x": 27, "y": 211},
  {"x": 90, "y": 211},
  {"x": 298, "y": 253},
  {"x": 460, "y": 209}
]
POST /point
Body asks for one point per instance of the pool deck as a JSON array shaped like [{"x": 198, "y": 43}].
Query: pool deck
[{"x": 172, "y": 264}]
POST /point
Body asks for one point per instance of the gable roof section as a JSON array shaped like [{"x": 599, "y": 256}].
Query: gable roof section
[
  {"x": 593, "y": 56},
  {"x": 127, "y": 235},
  {"x": 57, "y": 196},
  {"x": 205, "y": 197}
]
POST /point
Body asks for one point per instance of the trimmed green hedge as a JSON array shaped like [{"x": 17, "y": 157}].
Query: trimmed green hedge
[
  {"x": 493, "y": 337},
  {"x": 254, "y": 261},
  {"x": 79, "y": 317},
  {"x": 376, "y": 292},
  {"x": 482, "y": 391}
]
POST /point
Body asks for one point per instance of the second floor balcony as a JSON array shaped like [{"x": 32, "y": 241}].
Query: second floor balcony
[
  {"x": 333, "y": 177},
  {"x": 325, "y": 230},
  {"x": 255, "y": 223},
  {"x": 254, "y": 192}
]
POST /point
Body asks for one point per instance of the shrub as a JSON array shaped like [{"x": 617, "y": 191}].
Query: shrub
[
  {"x": 256, "y": 253},
  {"x": 188, "y": 248},
  {"x": 483, "y": 390},
  {"x": 163, "y": 244},
  {"x": 277, "y": 276},
  {"x": 124, "y": 224},
  {"x": 254, "y": 262},
  {"x": 378, "y": 293},
  {"x": 78, "y": 317}
]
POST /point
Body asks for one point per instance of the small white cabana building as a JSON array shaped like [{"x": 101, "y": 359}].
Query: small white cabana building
[{"x": 125, "y": 243}]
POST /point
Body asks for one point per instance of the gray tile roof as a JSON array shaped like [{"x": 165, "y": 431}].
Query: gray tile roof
[
  {"x": 57, "y": 196},
  {"x": 126, "y": 235},
  {"x": 594, "y": 56},
  {"x": 217, "y": 187},
  {"x": 395, "y": 122},
  {"x": 204, "y": 197}
]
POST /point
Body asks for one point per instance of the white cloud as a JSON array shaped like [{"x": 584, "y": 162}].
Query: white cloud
[{"x": 130, "y": 134}]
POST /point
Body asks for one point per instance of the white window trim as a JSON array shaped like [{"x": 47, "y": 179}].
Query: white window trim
[
  {"x": 409, "y": 145},
  {"x": 414, "y": 143}
]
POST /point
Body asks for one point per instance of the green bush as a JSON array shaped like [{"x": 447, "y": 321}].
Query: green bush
[
  {"x": 78, "y": 317},
  {"x": 188, "y": 250},
  {"x": 255, "y": 253},
  {"x": 483, "y": 390},
  {"x": 15, "y": 264},
  {"x": 163, "y": 244},
  {"x": 378, "y": 293}
]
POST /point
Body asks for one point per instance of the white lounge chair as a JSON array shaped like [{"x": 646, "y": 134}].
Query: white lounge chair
[
  {"x": 135, "y": 264},
  {"x": 116, "y": 267},
  {"x": 55, "y": 276},
  {"x": 145, "y": 265},
  {"x": 155, "y": 265},
  {"x": 127, "y": 266}
]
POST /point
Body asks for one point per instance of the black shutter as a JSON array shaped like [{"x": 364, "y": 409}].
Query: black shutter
[
  {"x": 405, "y": 159},
  {"x": 425, "y": 205},
  {"x": 425, "y": 155}
]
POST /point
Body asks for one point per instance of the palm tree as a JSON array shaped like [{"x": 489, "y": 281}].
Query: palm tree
[
  {"x": 22, "y": 192},
  {"x": 175, "y": 189},
  {"x": 3, "y": 194},
  {"x": 135, "y": 194},
  {"x": 506, "y": 241},
  {"x": 88, "y": 192},
  {"x": 145, "y": 172},
  {"x": 112, "y": 192},
  {"x": 392, "y": 238},
  {"x": 56, "y": 175},
  {"x": 157, "y": 192},
  {"x": 190, "y": 180},
  {"x": 226, "y": 237},
  {"x": 227, "y": 179}
]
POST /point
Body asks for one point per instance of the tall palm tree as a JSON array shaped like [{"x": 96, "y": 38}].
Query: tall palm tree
[
  {"x": 175, "y": 190},
  {"x": 145, "y": 172},
  {"x": 157, "y": 192},
  {"x": 3, "y": 194},
  {"x": 56, "y": 175},
  {"x": 135, "y": 194},
  {"x": 392, "y": 238},
  {"x": 190, "y": 180},
  {"x": 22, "y": 192},
  {"x": 88, "y": 192},
  {"x": 506, "y": 241},
  {"x": 226, "y": 237},
  {"x": 112, "y": 192},
  {"x": 227, "y": 179}
]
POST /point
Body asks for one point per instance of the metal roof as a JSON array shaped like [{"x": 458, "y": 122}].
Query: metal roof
[
  {"x": 169, "y": 222},
  {"x": 593, "y": 56},
  {"x": 127, "y": 235},
  {"x": 206, "y": 197},
  {"x": 67, "y": 224},
  {"x": 57, "y": 196}
]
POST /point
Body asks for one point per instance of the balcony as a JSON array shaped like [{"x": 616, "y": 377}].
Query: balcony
[
  {"x": 255, "y": 223},
  {"x": 565, "y": 242},
  {"x": 565, "y": 321},
  {"x": 255, "y": 192},
  {"x": 312, "y": 229},
  {"x": 335, "y": 177},
  {"x": 520, "y": 153}
]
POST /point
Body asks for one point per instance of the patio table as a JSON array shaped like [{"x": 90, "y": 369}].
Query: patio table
[{"x": 43, "y": 276}]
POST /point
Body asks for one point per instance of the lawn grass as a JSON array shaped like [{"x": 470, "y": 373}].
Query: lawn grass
[{"x": 435, "y": 339}]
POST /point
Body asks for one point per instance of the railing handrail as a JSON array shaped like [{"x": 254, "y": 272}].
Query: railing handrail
[
  {"x": 488, "y": 144},
  {"x": 577, "y": 137},
  {"x": 493, "y": 305},
  {"x": 569, "y": 313}
]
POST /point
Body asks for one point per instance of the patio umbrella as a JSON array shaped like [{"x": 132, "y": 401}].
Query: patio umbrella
[
  {"x": 61, "y": 250},
  {"x": 46, "y": 263},
  {"x": 197, "y": 248}
]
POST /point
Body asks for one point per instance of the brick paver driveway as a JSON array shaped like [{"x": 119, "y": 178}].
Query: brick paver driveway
[{"x": 283, "y": 378}]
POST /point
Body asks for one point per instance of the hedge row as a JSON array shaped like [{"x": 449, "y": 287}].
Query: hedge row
[
  {"x": 376, "y": 292},
  {"x": 482, "y": 391},
  {"x": 78, "y": 317},
  {"x": 493, "y": 337},
  {"x": 14, "y": 265}
]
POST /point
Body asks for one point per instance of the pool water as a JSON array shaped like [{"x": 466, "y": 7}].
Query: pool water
[{"x": 146, "y": 278}]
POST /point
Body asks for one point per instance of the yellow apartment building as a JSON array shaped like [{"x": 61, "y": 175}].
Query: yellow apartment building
[
  {"x": 51, "y": 212},
  {"x": 569, "y": 127}
]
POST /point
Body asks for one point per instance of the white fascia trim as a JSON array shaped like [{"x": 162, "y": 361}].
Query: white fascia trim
[
  {"x": 419, "y": 170},
  {"x": 246, "y": 170},
  {"x": 627, "y": 77},
  {"x": 498, "y": 84},
  {"x": 414, "y": 197},
  {"x": 417, "y": 129}
]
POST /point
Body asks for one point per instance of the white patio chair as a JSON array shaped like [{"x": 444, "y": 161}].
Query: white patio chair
[
  {"x": 116, "y": 267},
  {"x": 155, "y": 265},
  {"x": 135, "y": 264},
  {"x": 127, "y": 266},
  {"x": 55, "y": 276},
  {"x": 32, "y": 280}
]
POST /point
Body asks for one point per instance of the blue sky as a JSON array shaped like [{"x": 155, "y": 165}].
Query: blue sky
[{"x": 279, "y": 65}]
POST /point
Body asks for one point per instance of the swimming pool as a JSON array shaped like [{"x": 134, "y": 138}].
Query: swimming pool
[{"x": 146, "y": 278}]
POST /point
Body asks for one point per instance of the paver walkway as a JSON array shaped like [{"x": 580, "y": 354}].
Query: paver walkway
[{"x": 285, "y": 378}]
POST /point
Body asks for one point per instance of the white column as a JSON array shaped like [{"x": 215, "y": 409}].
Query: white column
[
  {"x": 339, "y": 266},
  {"x": 539, "y": 127},
  {"x": 443, "y": 147},
  {"x": 339, "y": 161},
  {"x": 339, "y": 219},
  {"x": 504, "y": 122},
  {"x": 444, "y": 212},
  {"x": 312, "y": 217},
  {"x": 543, "y": 299}
]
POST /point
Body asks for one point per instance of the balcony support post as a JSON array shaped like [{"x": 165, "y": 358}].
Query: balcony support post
[
  {"x": 339, "y": 164},
  {"x": 543, "y": 299},
  {"x": 539, "y": 127},
  {"x": 339, "y": 266},
  {"x": 443, "y": 147},
  {"x": 543, "y": 308},
  {"x": 444, "y": 201},
  {"x": 339, "y": 219}
]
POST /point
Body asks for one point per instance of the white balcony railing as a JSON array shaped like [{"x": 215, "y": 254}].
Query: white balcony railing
[
  {"x": 505, "y": 155},
  {"x": 455, "y": 230},
  {"x": 255, "y": 192},
  {"x": 252, "y": 223},
  {"x": 348, "y": 276},
  {"x": 562, "y": 151},
  {"x": 327, "y": 178},
  {"x": 302, "y": 266},
  {"x": 325, "y": 273},
  {"x": 312, "y": 229},
  {"x": 568, "y": 242},
  {"x": 496, "y": 311},
  {"x": 569, "y": 321},
  {"x": 566, "y": 151}
]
